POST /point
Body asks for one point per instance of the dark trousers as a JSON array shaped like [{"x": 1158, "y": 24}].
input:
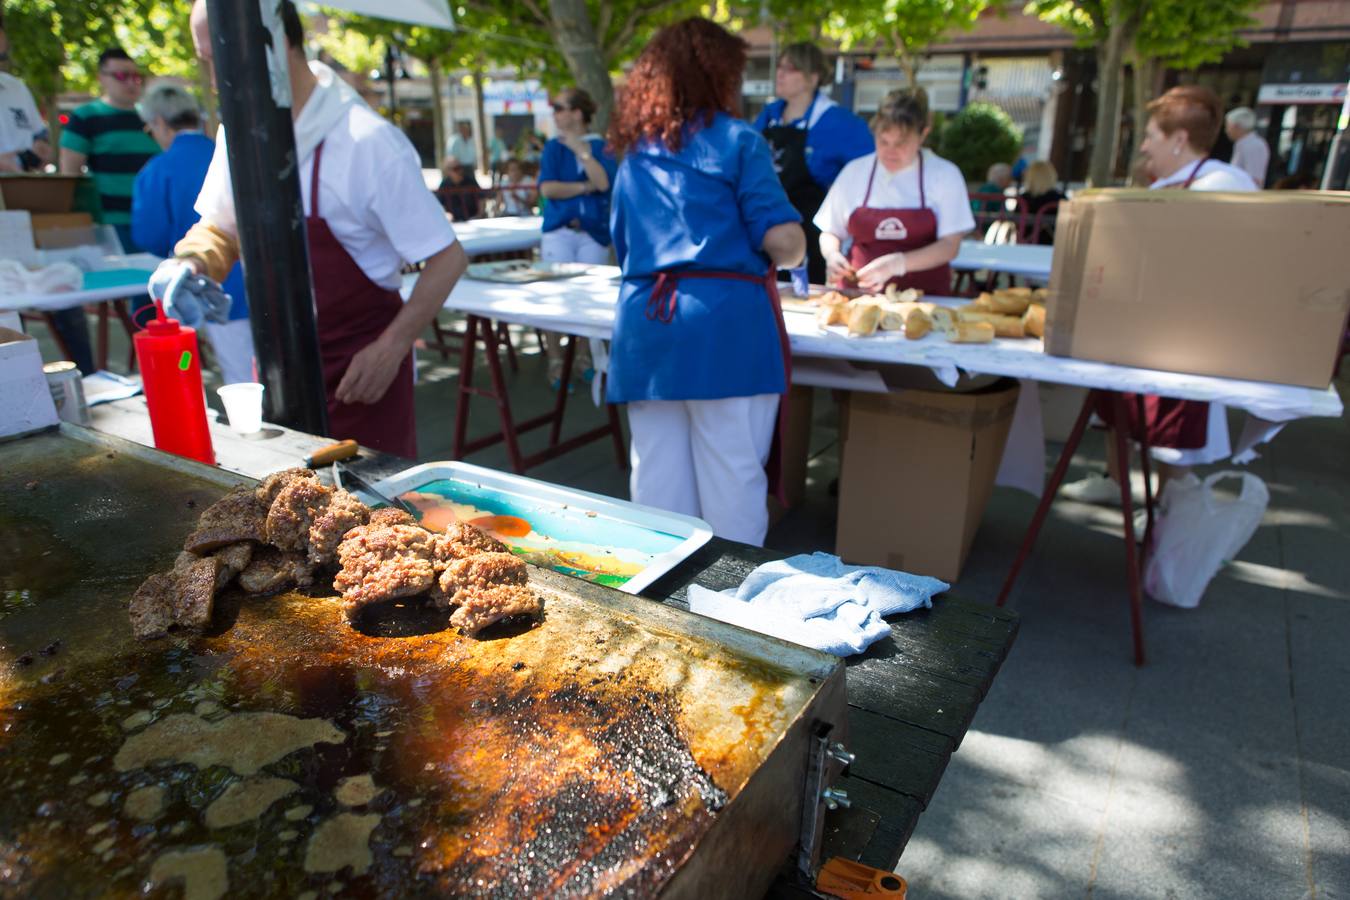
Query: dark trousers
[{"x": 73, "y": 328}]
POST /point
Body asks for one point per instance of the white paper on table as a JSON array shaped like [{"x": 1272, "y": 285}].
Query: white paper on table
[{"x": 1023, "y": 463}]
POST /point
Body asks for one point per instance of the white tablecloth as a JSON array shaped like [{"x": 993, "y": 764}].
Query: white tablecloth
[
  {"x": 585, "y": 306},
  {"x": 48, "y": 302},
  {"x": 506, "y": 234},
  {"x": 1029, "y": 261}
]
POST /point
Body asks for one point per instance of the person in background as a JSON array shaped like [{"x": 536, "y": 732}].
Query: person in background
[
  {"x": 496, "y": 155},
  {"x": 367, "y": 214},
  {"x": 518, "y": 190},
  {"x": 904, "y": 208},
  {"x": 1040, "y": 188},
  {"x": 461, "y": 146},
  {"x": 24, "y": 143},
  {"x": 1251, "y": 153},
  {"x": 530, "y": 148},
  {"x": 1182, "y": 127},
  {"x": 574, "y": 175},
  {"x": 811, "y": 136},
  {"x": 458, "y": 191},
  {"x": 700, "y": 222},
  {"x": 162, "y": 212},
  {"x": 107, "y": 137},
  {"x": 996, "y": 181}
]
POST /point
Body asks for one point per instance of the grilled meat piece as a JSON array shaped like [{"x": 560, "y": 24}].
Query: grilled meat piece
[
  {"x": 272, "y": 484},
  {"x": 238, "y": 516},
  {"x": 483, "y": 570},
  {"x": 343, "y": 513},
  {"x": 479, "y": 607},
  {"x": 234, "y": 558},
  {"x": 293, "y": 512},
  {"x": 195, "y": 593},
  {"x": 391, "y": 515},
  {"x": 460, "y": 541},
  {"x": 272, "y": 570},
  {"x": 382, "y": 562},
  {"x": 152, "y": 605}
]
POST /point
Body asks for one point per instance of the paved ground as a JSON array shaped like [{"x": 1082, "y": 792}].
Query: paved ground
[{"x": 1220, "y": 769}]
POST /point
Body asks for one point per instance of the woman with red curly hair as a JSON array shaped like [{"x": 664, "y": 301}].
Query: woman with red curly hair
[{"x": 700, "y": 221}]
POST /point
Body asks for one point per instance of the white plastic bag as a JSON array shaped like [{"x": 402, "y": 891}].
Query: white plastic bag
[{"x": 1197, "y": 532}]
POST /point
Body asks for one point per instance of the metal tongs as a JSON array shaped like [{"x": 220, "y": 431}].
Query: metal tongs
[{"x": 356, "y": 481}]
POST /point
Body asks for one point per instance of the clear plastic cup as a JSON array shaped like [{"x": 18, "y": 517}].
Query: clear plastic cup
[{"x": 243, "y": 405}]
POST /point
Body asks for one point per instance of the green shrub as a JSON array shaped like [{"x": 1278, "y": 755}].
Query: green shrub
[{"x": 979, "y": 136}]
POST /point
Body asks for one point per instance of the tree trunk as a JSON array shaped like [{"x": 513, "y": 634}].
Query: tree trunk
[
  {"x": 1146, "y": 72},
  {"x": 437, "y": 110},
  {"x": 574, "y": 33},
  {"x": 484, "y": 164},
  {"x": 1110, "y": 63}
]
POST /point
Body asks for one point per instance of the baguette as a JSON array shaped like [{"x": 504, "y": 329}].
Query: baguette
[
  {"x": 982, "y": 303},
  {"x": 944, "y": 319},
  {"x": 971, "y": 333},
  {"x": 1004, "y": 326},
  {"x": 863, "y": 318},
  {"x": 1033, "y": 321},
  {"x": 1011, "y": 302},
  {"x": 834, "y": 314}
]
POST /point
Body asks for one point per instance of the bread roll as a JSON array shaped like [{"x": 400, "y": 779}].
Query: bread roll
[
  {"x": 917, "y": 323},
  {"x": 1010, "y": 302},
  {"x": 863, "y": 318},
  {"x": 944, "y": 319},
  {"x": 1033, "y": 321},
  {"x": 1004, "y": 326},
  {"x": 831, "y": 298},
  {"x": 835, "y": 314},
  {"x": 971, "y": 333},
  {"x": 982, "y": 303}
]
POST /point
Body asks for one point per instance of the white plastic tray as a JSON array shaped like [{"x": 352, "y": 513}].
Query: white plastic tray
[{"x": 660, "y": 539}]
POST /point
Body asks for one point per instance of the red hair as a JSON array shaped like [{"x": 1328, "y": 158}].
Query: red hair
[
  {"x": 690, "y": 71},
  {"x": 1192, "y": 107}
]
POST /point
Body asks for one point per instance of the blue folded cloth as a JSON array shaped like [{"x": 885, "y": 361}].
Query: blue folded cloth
[{"x": 819, "y": 602}]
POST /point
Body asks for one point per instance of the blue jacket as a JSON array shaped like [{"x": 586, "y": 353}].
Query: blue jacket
[
  {"x": 162, "y": 199},
  {"x": 706, "y": 207},
  {"x": 591, "y": 211}
]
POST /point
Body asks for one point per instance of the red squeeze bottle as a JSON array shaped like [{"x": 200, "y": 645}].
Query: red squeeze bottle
[{"x": 171, "y": 373}]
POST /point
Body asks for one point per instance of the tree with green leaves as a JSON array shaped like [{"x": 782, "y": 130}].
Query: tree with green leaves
[
  {"x": 906, "y": 27},
  {"x": 1182, "y": 34}
]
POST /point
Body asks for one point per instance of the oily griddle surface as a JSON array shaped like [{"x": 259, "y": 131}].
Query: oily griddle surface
[{"x": 286, "y": 752}]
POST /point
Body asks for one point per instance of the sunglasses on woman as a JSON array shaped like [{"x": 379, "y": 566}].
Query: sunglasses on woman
[
  {"x": 124, "y": 77},
  {"x": 560, "y": 107}
]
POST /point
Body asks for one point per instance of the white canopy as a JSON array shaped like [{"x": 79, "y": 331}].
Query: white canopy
[{"x": 435, "y": 13}]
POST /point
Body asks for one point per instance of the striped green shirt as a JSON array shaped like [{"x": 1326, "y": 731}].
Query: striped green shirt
[{"x": 116, "y": 146}]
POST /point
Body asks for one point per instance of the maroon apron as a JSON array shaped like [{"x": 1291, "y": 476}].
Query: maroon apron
[
  {"x": 661, "y": 308},
  {"x": 1176, "y": 424},
  {"x": 352, "y": 312},
  {"x": 879, "y": 231}
]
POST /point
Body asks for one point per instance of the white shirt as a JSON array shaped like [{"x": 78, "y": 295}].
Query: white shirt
[
  {"x": 20, "y": 120},
  {"x": 1212, "y": 176},
  {"x": 1251, "y": 154},
  {"x": 944, "y": 192},
  {"x": 517, "y": 200},
  {"x": 371, "y": 193},
  {"x": 463, "y": 149}
]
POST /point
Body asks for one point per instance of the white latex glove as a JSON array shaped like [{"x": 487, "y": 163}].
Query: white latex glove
[
  {"x": 187, "y": 296},
  {"x": 874, "y": 275},
  {"x": 837, "y": 268}
]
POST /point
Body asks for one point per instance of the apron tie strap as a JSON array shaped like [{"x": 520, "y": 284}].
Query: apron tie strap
[{"x": 661, "y": 304}]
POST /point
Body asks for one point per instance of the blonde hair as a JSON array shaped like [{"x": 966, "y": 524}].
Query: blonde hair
[{"x": 1039, "y": 178}]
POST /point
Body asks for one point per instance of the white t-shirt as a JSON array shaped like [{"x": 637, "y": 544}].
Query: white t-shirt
[
  {"x": 463, "y": 149},
  {"x": 944, "y": 192},
  {"x": 1251, "y": 154},
  {"x": 371, "y": 193},
  {"x": 1212, "y": 176},
  {"x": 20, "y": 120}
]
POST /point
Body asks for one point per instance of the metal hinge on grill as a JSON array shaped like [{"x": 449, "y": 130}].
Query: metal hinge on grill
[{"x": 826, "y": 761}]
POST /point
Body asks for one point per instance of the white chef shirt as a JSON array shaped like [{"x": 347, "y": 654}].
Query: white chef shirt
[
  {"x": 1212, "y": 176},
  {"x": 944, "y": 192},
  {"x": 1251, "y": 154},
  {"x": 20, "y": 120},
  {"x": 371, "y": 194}
]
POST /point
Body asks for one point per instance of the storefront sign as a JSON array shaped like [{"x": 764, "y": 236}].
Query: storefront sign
[{"x": 1282, "y": 94}]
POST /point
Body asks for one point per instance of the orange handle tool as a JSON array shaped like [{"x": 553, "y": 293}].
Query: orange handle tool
[
  {"x": 855, "y": 881},
  {"x": 332, "y": 453}
]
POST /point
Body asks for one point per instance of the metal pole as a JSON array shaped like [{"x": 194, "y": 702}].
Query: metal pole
[
  {"x": 389, "y": 76},
  {"x": 255, "y": 108}
]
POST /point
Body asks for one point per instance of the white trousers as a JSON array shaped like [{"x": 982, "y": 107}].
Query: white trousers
[
  {"x": 568, "y": 245},
  {"x": 233, "y": 346},
  {"x": 706, "y": 458}
]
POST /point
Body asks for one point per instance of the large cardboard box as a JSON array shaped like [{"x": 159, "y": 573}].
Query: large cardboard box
[
  {"x": 1253, "y": 286},
  {"x": 25, "y": 399},
  {"x": 39, "y": 193},
  {"x": 916, "y": 473},
  {"x": 54, "y": 231}
]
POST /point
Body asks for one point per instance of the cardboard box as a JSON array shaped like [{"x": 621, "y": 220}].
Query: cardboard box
[
  {"x": 25, "y": 399},
  {"x": 1239, "y": 285},
  {"x": 39, "y": 193},
  {"x": 916, "y": 472},
  {"x": 54, "y": 231}
]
